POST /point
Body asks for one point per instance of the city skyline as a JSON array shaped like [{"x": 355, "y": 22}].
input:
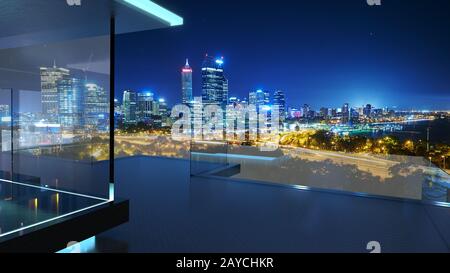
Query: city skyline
[
  {"x": 72, "y": 102},
  {"x": 187, "y": 93},
  {"x": 325, "y": 53}
]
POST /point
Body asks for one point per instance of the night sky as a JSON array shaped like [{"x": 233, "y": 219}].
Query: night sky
[{"x": 320, "y": 52}]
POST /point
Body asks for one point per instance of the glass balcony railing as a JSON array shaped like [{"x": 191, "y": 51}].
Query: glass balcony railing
[{"x": 368, "y": 174}]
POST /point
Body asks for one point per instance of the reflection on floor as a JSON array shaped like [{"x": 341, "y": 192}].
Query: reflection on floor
[
  {"x": 172, "y": 213},
  {"x": 23, "y": 205}
]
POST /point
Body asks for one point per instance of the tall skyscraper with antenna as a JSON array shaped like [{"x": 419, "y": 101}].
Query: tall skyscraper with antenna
[{"x": 186, "y": 83}]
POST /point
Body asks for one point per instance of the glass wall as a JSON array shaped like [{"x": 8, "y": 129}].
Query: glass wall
[
  {"x": 396, "y": 155},
  {"x": 6, "y": 133},
  {"x": 60, "y": 114},
  {"x": 54, "y": 110}
]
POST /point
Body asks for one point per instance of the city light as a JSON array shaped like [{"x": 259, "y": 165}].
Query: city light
[{"x": 219, "y": 61}]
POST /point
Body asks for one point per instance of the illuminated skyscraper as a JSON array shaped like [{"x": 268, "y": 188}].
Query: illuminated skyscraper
[
  {"x": 155, "y": 108},
  {"x": 214, "y": 83},
  {"x": 345, "y": 113},
  {"x": 118, "y": 112},
  {"x": 162, "y": 107},
  {"x": 186, "y": 83},
  {"x": 49, "y": 90},
  {"x": 266, "y": 98},
  {"x": 323, "y": 112},
  {"x": 252, "y": 98},
  {"x": 259, "y": 98},
  {"x": 71, "y": 93},
  {"x": 306, "y": 111},
  {"x": 163, "y": 111},
  {"x": 96, "y": 107},
  {"x": 129, "y": 107},
  {"x": 280, "y": 100},
  {"x": 225, "y": 91},
  {"x": 368, "y": 110},
  {"x": 144, "y": 106}
]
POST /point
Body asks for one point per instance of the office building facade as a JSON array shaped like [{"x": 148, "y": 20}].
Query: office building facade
[
  {"x": 129, "y": 105},
  {"x": 49, "y": 90},
  {"x": 279, "y": 100},
  {"x": 71, "y": 93},
  {"x": 214, "y": 83},
  {"x": 144, "y": 106},
  {"x": 96, "y": 107}
]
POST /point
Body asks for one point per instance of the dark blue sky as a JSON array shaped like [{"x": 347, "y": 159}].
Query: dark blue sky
[{"x": 320, "y": 52}]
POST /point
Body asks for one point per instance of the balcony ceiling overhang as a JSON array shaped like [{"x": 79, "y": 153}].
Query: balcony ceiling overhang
[{"x": 25, "y": 22}]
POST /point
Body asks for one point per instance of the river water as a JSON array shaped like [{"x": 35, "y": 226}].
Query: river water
[{"x": 417, "y": 130}]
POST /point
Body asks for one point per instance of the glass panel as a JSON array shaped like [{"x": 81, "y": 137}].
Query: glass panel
[
  {"x": 5, "y": 133},
  {"x": 61, "y": 123},
  {"x": 209, "y": 158},
  {"x": 55, "y": 114},
  {"x": 405, "y": 161}
]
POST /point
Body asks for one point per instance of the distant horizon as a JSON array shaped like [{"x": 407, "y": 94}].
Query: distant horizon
[{"x": 120, "y": 99}]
